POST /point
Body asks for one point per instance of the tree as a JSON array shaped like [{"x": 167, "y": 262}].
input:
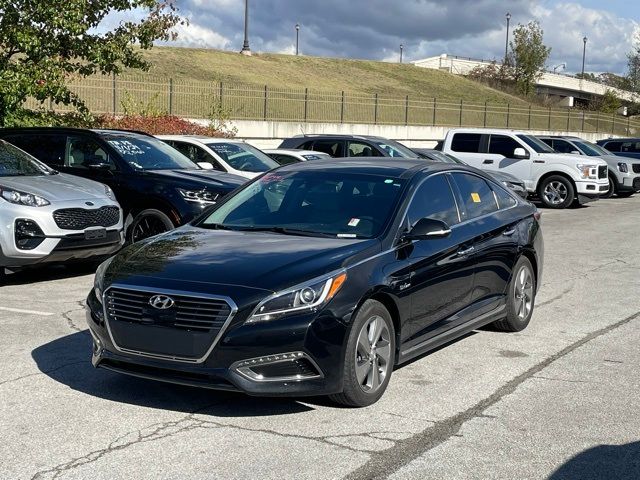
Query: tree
[
  {"x": 43, "y": 43},
  {"x": 608, "y": 103},
  {"x": 633, "y": 65},
  {"x": 528, "y": 56}
]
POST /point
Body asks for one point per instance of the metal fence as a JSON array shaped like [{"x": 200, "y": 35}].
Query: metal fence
[{"x": 235, "y": 101}]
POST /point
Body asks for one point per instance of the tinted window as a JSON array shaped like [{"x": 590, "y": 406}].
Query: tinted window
[
  {"x": 335, "y": 148},
  {"x": 14, "y": 162},
  {"x": 283, "y": 159},
  {"x": 321, "y": 203},
  {"x": 466, "y": 142},
  {"x": 195, "y": 153},
  {"x": 613, "y": 146},
  {"x": 84, "y": 152},
  {"x": 394, "y": 149},
  {"x": 503, "y": 145},
  {"x": 534, "y": 142},
  {"x": 306, "y": 145},
  {"x": 48, "y": 148},
  {"x": 563, "y": 146},
  {"x": 359, "y": 149},
  {"x": 476, "y": 194},
  {"x": 630, "y": 147},
  {"x": 433, "y": 199},
  {"x": 242, "y": 156},
  {"x": 504, "y": 199}
]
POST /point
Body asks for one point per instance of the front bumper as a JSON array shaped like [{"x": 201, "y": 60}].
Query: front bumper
[
  {"x": 315, "y": 340},
  {"x": 58, "y": 244},
  {"x": 628, "y": 182}
]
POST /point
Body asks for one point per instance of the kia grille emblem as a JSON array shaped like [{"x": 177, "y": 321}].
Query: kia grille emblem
[
  {"x": 89, "y": 203},
  {"x": 161, "y": 302}
]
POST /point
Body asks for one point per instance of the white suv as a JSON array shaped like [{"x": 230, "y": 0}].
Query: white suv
[
  {"x": 558, "y": 179},
  {"x": 223, "y": 154}
]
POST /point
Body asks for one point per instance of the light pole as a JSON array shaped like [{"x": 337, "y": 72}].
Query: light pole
[
  {"x": 562, "y": 65},
  {"x": 245, "y": 46},
  {"x": 401, "y": 48},
  {"x": 584, "y": 52},
  {"x": 506, "y": 42},
  {"x": 297, "y": 37}
]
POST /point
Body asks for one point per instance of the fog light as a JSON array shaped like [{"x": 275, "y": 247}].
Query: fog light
[
  {"x": 28, "y": 234},
  {"x": 292, "y": 366}
]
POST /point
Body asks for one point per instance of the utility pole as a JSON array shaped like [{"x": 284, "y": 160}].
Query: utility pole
[
  {"x": 401, "y": 48},
  {"x": 245, "y": 46},
  {"x": 584, "y": 52},
  {"x": 506, "y": 42},
  {"x": 297, "y": 37}
]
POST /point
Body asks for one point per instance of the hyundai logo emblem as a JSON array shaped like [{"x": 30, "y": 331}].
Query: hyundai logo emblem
[
  {"x": 89, "y": 204},
  {"x": 161, "y": 302}
]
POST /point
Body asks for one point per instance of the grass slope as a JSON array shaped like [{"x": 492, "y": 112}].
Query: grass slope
[{"x": 321, "y": 74}]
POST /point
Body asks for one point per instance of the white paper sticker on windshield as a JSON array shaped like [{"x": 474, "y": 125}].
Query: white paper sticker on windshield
[
  {"x": 354, "y": 222},
  {"x": 125, "y": 147}
]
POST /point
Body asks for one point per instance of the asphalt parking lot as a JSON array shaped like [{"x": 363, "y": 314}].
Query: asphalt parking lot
[{"x": 558, "y": 400}]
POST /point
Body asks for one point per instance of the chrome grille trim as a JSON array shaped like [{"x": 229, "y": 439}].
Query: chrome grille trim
[{"x": 151, "y": 290}]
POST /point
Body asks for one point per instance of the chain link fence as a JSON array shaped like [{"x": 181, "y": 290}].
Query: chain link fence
[{"x": 235, "y": 101}]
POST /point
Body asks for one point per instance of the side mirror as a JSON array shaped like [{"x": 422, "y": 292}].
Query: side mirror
[
  {"x": 574, "y": 152},
  {"x": 205, "y": 165},
  {"x": 520, "y": 153},
  {"x": 428, "y": 228}
]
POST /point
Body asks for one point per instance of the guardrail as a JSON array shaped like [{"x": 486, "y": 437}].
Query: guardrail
[{"x": 250, "y": 102}]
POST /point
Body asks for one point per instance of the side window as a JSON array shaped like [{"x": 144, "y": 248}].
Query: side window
[
  {"x": 563, "y": 146},
  {"x": 613, "y": 146},
  {"x": 196, "y": 154},
  {"x": 284, "y": 159},
  {"x": 434, "y": 199},
  {"x": 476, "y": 194},
  {"x": 504, "y": 199},
  {"x": 503, "y": 145},
  {"x": 358, "y": 149},
  {"x": 466, "y": 142},
  {"x": 630, "y": 147},
  {"x": 85, "y": 152},
  {"x": 335, "y": 148},
  {"x": 308, "y": 145},
  {"x": 47, "y": 148}
]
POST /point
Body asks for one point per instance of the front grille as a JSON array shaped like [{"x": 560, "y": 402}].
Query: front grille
[
  {"x": 636, "y": 167},
  {"x": 188, "y": 313},
  {"x": 81, "y": 218},
  {"x": 602, "y": 171}
]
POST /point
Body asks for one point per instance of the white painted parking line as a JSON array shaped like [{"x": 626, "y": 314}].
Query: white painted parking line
[{"x": 30, "y": 312}]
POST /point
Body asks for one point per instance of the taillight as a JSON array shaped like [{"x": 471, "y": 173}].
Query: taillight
[{"x": 537, "y": 215}]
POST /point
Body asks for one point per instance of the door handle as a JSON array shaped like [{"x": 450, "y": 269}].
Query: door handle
[
  {"x": 465, "y": 252},
  {"x": 508, "y": 233},
  {"x": 487, "y": 161}
]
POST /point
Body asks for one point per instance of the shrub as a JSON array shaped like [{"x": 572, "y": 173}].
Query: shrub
[{"x": 158, "y": 125}]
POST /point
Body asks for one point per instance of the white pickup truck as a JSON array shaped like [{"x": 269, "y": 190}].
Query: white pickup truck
[{"x": 557, "y": 179}]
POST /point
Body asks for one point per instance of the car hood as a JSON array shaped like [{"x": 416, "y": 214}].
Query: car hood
[
  {"x": 58, "y": 187},
  {"x": 613, "y": 160},
  {"x": 571, "y": 159},
  {"x": 257, "y": 260},
  {"x": 217, "y": 179}
]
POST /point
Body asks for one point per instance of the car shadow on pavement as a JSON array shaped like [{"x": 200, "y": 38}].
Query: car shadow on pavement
[
  {"x": 603, "y": 462},
  {"x": 49, "y": 273},
  {"x": 67, "y": 360}
]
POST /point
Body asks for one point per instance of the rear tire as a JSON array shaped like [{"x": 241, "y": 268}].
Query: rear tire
[
  {"x": 148, "y": 223},
  {"x": 369, "y": 357},
  {"x": 556, "y": 191},
  {"x": 520, "y": 298}
]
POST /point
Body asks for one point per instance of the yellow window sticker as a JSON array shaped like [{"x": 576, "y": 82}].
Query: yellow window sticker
[{"x": 475, "y": 197}]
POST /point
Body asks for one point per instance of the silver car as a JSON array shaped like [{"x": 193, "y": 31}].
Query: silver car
[{"x": 47, "y": 216}]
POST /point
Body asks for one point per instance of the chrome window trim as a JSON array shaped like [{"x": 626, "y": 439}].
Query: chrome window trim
[{"x": 153, "y": 290}]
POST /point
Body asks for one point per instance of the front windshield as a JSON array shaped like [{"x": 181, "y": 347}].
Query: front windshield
[
  {"x": 395, "y": 149},
  {"x": 538, "y": 145},
  {"x": 591, "y": 149},
  {"x": 243, "y": 157},
  {"x": 16, "y": 163},
  {"x": 333, "y": 204},
  {"x": 144, "y": 153}
]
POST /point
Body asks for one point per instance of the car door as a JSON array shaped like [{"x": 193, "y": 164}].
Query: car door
[
  {"x": 500, "y": 157},
  {"x": 438, "y": 273},
  {"x": 491, "y": 222}
]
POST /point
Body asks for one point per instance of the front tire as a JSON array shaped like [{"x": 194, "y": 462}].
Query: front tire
[
  {"x": 148, "y": 223},
  {"x": 521, "y": 298},
  {"x": 369, "y": 357},
  {"x": 556, "y": 191},
  {"x": 612, "y": 188}
]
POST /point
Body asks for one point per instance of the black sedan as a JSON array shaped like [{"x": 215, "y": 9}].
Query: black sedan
[{"x": 320, "y": 278}]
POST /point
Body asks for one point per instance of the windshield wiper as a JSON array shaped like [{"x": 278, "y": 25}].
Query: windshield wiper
[
  {"x": 215, "y": 226},
  {"x": 285, "y": 231}
]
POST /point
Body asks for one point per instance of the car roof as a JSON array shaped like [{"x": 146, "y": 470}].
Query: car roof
[
  {"x": 94, "y": 131},
  {"x": 488, "y": 131},
  {"x": 621, "y": 139},
  {"x": 200, "y": 138},
  {"x": 339, "y": 135},
  {"x": 296, "y": 151},
  {"x": 393, "y": 167}
]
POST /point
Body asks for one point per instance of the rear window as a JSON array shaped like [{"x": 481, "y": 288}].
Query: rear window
[
  {"x": 466, "y": 142},
  {"x": 613, "y": 146}
]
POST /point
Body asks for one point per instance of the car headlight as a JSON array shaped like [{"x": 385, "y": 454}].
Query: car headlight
[
  {"x": 109, "y": 193},
  {"x": 587, "y": 171},
  {"x": 305, "y": 297},
  {"x": 623, "y": 167},
  {"x": 22, "y": 198},
  {"x": 199, "y": 196},
  {"x": 98, "y": 281}
]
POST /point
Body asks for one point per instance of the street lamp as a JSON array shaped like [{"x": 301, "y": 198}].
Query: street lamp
[
  {"x": 584, "y": 51},
  {"x": 401, "y": 48},
  {"x": 297, "y": 37},
  {"x": 245, "y": 46},
  {"x": 562, "y": 65},
  {"x": 506, "y": 42}
]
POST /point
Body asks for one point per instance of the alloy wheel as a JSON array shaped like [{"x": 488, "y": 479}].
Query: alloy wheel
[
  {"x": 523, "y": 293},
  {"x": 147, "y": 226},
  {"x": 555, "y": 192},
  {"x": 373, "y": 354}
]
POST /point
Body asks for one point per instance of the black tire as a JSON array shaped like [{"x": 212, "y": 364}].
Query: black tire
[
  {"x": 624, "y": 194},
  {"x": 355, "y": 394},
  {"x": 148, "y": 223},
  {"x": 612, "y": 188},
  {"x": 515, "y": 321},
  {"x": 564, "y": 188}
]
